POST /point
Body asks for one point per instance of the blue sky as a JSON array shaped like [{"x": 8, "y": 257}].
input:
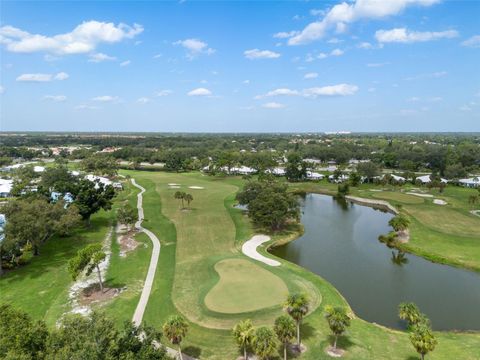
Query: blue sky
[{"x": 194, "y": 66}]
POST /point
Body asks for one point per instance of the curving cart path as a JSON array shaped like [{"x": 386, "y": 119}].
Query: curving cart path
[
  {"x": 147, "y": 287},
  {"x": 249, "y": 248}
]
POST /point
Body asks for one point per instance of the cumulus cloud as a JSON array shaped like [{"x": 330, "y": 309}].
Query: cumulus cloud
[
  {"x": 2, "y": 89},
  {"x": 285, "y": 35},
  {"x": 311, "y": 75},
  {"x": 273, "y": 105},
  {"x": 100, "y": 57},
  {"x": 143, "y": 100},
  {"x": 339, "y": 16},
  {"x": 331, "y": 90},
  {"x": 199, "y": 92},
  {"x": 194, "y": 47},
  {"x": 83, "y": 39},
  {"x": 403, "y": 35},
  {"x": 38, "y": 77},
  {"x": 163, "y": 93},
  {"x": 61, "y": 76},
  {"x": 473, "y": 42},
  {"x": 105, "y": 98},
  {"x": 55, "y": 98},
  {"x": 260, "y": 54},
  {"x": 125, "y": 63},
  {"x": 85, "y": 107},
  {"x": 337, "y": 52}
]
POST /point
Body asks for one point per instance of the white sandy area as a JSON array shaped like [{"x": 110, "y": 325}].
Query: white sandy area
[
  {"x": 421, "y": 195},
  {"x": 173, "y": 184},
  {"x": 250, "y": 249},
  {"x": 196, "y": 187},
  {"x": 439, "y": 202}
]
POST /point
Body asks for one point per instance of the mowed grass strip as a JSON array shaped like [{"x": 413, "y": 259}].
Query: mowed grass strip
[
  {"x": 399, "y": 197},
  {"x": 244, "y": 287}
]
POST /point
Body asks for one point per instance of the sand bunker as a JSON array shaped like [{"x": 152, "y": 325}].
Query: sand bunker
[
  {"x": 174, "y": 187},
  {"x": 196, "y": 187},
  {"x": 439, "y": 202},
  {"x": 421, "y": 195}
]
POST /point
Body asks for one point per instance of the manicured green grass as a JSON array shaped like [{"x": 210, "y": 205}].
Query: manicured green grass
[
  {"x": 399, "y": 197},
  {"x": 244, "y": 287},
  {"x": 41, "y": 287}
]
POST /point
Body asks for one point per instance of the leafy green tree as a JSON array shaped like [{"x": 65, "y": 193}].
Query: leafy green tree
[
  {"x": 188, "y": 198},
  {"x": 368, "y": 169},
  {"x": 297, "y": 306},
  {"x": 87, "y": 259},
  {"x": 399, "y": 222},
  {"x": 338, "y": 321},
  {"x": 409, "y": 312},
  {"x": 20, "y": 337},
  {"x": 342, "y": 191},
  {"x": 243, "y": 333},
  {"x": 59, "y": 179},
  {"x": 422, "y": 339},
  {"x": 92, "y": 197},
  {"x": 296, "y": 169},
  {"x": 99, "y": 164},
  {"x": 264, "y": 343},
  {"x": 175, "y": 329},
  {"x": 127, "y": 215},
  {"x": 180, "y": 195},
  {"x": 355, "y": 179},
  {"x": 285, "y": 329}
]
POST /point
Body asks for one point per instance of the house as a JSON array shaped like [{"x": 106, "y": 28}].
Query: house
[
  {"x": 68, "y": 198},
  {"x": 396, "y": 178},
  {"x": 99, "y": 179},
  {"x": 342, "y": 178},
  {"x": 38, "y": 169},
  {"x": 471, "y": 182},
  {"x": 314, "y": 175},
  {"x": 277, "y": 171},
  {"x": 5, "y": 187},
  {"x": 117, "y": 186},
  {"x": 426, "y": 179}
]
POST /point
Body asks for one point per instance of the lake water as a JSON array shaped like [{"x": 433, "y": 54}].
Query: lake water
[{"x": 341, "y": 245}]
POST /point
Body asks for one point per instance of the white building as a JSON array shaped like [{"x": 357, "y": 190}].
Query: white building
[
  {"x": 277, "y": 171},
  {"x": 425, "y": 179},
  {"x": 314, "y": 175},
  {"x": 340, "y": 179},
  {"x": 100, "y": 179},
  {"x": 5, "y": 187},
  {"x": 470, "y": 182}
]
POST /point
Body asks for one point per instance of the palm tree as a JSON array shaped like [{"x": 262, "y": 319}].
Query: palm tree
[
  {"x": 297, "y": 307},
  {"x": 411, "y": 313},
  {"x": 422, "y": 339},
  {"x": 180, "y": 195},
  {"x": 338, "y": 321},
  {"x": 188, "y": 198},
  {"x": 243, "y": 333},
  {"x": 175, "y": 329},
  {"x": 399, "y": 223},
  {"x": 264, "y": 343},
  {"x": 285, "y": 329}
]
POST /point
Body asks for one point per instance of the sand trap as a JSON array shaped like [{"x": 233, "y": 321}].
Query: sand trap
[
  {"x": 439, "y": 202},
  {"x": 376, "y": 190},
  {"x": 421, "y": 195},
  {"x": 173, "y": 184},
  {"x": 475, "y": 212},
  {"x": 174, "y": 187},
  {"x": 196, "y": 187},
  {"x": 250, "y": 249}
]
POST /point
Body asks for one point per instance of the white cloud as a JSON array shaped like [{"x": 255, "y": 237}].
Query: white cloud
[
  {"x": 332, "y": 90},
  {"x": 55, "y": 98},
  {"x": 85, "y": 107},
  {"x": 194, "y": 47},
  {"x": 285, "y": 35},
  {"x": 337, "y": 52},
  {"x": 199, "y": 92},
  {"x": 157, "y": 56},
  {"x": 465, "y": 108},
  {"x": 365, "y": 45},
  {"x": 83, "y": 39},
  {"x": 260, "y": 54},
  {"x": 345, "y": 13},
  {"x": 100, "y": 57},
  {"x": 42, "y": 77},
  {"x": 403, "y": 35},
  {"x": 105, "y": 98},
  {"x": 2, "y": 89},
  {"x": 273, "y": 105},
  {"x": 317, "y": 12},
  {"x": 61, "y": 76},
  {"x": 163, "y": 93},
  {"x": 473, "y": 42},
  {"x": 125, "y": 63},
  {"x": 279, "y": 92},
  {"x": 434, "y": 75},
  {"x": 322, "y": 56},
  {"x": 143, "y": 100},
  {"x": 311, "y": 75},
  {"x": 246, "y": 82}
]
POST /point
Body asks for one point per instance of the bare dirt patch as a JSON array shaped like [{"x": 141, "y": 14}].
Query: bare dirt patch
[
  {"x": 93, "y": 294},
  {"x": 127, "y": 242},
  {"x": 334, "y": 352}
]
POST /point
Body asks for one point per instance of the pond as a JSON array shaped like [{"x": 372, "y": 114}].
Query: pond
[{"x": 341, "y": 244}]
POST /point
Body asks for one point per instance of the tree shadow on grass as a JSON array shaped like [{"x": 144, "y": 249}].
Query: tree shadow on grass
[
  {"x": 193, "y": 351},
  {"x": 343, "y": 342},
  {"x": 307, "y": 331}
]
